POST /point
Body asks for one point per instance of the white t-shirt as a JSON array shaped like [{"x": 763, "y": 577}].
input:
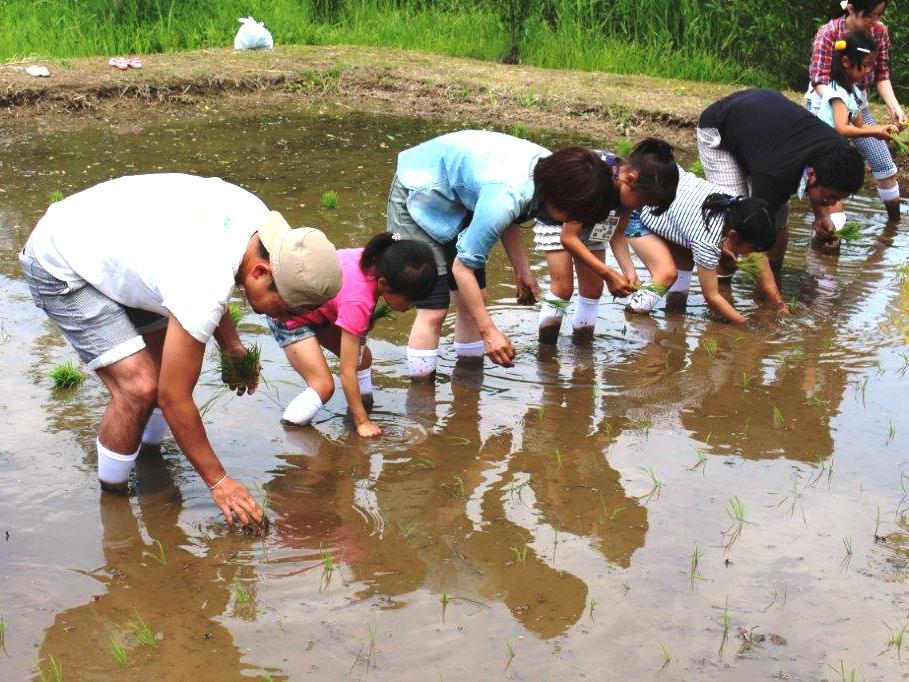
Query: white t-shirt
[{"x": 166, "y": 243}]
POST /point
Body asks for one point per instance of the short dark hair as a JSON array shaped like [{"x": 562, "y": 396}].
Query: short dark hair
[
  {"x": 748, "y": 217},
  {"x": 577, "y": 181},
  {"x": 840, "y": 167},
  {"x": 658, "y": 172},
  {"x": 406, "y": 264}
]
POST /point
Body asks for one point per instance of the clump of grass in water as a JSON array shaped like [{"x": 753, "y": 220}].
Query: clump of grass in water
[
  {"x": 841, "y": 671},
  {"x": 520, "y": 130},
  {"x": 694, "y": 566},
  {"x": 158, "y": 555},
  {"x": 118, "y": 649},
  {"x": 235, "y": 312},
  {"x": 656, "y": 486},
  {"x": 520, "y": 554},
  {"x": 896, "y": 639},
  {"x": 735, "y": 510},
  {"x": 240, "y": 369},
  {"x": 724, "y": 622},
  {"x": 328, "y": 567},
  {"x": 850, "y": 232},
  {"x": 241, "y": 594},
  {"x": 67, "y": 375},
  {"x": 330, "y": 200},
  {"x": 55, "y": 196},
  {"x": 752, "y": 265},
  {"x": 54, "y": 672},
  {"x": 710, "y": 347},
  {"x": 142, "y": 631},
  {"x": 847, "y": 558}
]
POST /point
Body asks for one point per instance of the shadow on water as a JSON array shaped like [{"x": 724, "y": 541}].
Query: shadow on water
[{"x": 547, "y": 510}]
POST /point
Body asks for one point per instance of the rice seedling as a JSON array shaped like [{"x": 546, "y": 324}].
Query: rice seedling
[
  {"x": 66, "y": 375},
  {"x": 850, "y": 232},
  {"x": 239, "y": 592},
  {"x": 159, "y": 554},
  {"x": 520, "y": 130},
  {"x": 667, "y": 658},
  {"x": 641, "y": 425},
  {"x": 55, "y": 196},
  {"x": 461, "y": 488},
  {"x": 2, "y": 635},
  {"x": 752, "y": 265},
  {"x": 861, "y": 390},
  {"x": 817, "y": 401},
  {"x": 329, "y": 200},
  {"x": 520, "y": 554},
  {"x": 142, "y": 631},
  {"x": 444, "y": 601},
  {"x": 266, "y": 677},
  {"x": 509, "y": 647},
  {"x": 847, "y": 558},
  {"x": 610, "y": 513},
  {"x": 656, "y": 486},
  {"x": 370, "y": 650},
  {"x": 623, "y": 146},
  {"x": 710, "y": 347},
  {"x": 558, "y": 458},
  {"x": 901, "y": 142},
  {"x": 591, "y": 605},
  {"x": 697, "y": 168},
  {"x": 825, "y": 466},
  {"x": 555, "y": 542},
  {"x": 902, "y": 272},
  {"x": 541, "y": 412},
  {"x": 118, "y": 649},
  {"x": 701, "y": 462},
  {"x": 896, "y": 639},
  {"x": 724, "y": 623},
  {"x": 735, "y": 510},
  {"x": 406, "y": 529},
  {"x": 383, "y": 311},
  {"x": 425, "y": 463},
  {"x": 666, "y": 360},
  {"x": 559, "y": 304},
  {"x": 237, "y": 370},
  {"x": 458, "y": 440},
  {"x": 778, "y": 421},
  {"x": 235, "y": 312},
  {"x": 54, "y": 672},
  {"x": 328, "y": 567},
  {"x": 877, "y": 527},
  {"x": 776, "y": 597},
  {"x": 747, "y": 381},
  {"x": 841, "y": 671},
  {"x": 694, "y": 565},
  {"x": 626, "y": 588},
  {"x": 891, "y": 432}
]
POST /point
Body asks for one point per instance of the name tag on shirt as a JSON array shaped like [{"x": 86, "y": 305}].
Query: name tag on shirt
[{"x": 602, "y": 232}]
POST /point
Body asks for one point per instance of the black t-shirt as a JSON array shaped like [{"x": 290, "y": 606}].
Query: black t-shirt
[{"x": 773, "y": 139}]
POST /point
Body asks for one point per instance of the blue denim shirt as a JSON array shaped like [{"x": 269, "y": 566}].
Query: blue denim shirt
[{"x": 478, "y": 171}]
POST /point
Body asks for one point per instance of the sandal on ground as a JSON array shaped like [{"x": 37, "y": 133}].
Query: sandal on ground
[
  {"x": 134, "y": 63},
  {"x": 118, "y": 63}
]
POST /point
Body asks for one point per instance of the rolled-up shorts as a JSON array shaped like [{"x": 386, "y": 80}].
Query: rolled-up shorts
[
  {"x": 721, "y": 168},
  {"x": 286, "y": 336},
  {"x": 400, "y": 221},
  {"x": 875, "y": 151},
  {"x": 100, "y": 330}
]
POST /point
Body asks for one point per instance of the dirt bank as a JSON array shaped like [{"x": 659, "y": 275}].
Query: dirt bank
[{"x": 600, "y": 106}]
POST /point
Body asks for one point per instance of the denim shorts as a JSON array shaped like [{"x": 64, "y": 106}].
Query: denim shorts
[
  {"x": 286, "y": 336},
  {"x": 635, "y": 226},
  {"x": 100, "y": 330}
]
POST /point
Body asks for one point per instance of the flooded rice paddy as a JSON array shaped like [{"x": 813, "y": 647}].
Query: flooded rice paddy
[{"x": 680, "y": 499}]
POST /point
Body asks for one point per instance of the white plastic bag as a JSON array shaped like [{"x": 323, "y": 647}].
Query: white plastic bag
[{"x": 253, "y": 36}]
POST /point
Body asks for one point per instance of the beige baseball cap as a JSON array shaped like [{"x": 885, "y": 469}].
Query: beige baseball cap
[{"x": 303, "y": 262}]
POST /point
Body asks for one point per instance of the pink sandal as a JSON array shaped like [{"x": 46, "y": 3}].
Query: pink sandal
[
  {"x": 118, "y": 63},
  {"x": 134, "y": 63}
]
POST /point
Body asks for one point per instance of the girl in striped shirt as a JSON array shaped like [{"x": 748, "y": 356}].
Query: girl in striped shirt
[{"x": 702, "y": 224}]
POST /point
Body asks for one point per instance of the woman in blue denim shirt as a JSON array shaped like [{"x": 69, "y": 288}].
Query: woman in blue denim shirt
[{"x": 461, "y": 193}]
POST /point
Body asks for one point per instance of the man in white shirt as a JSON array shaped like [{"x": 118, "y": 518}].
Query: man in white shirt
[{"x": 137, "y": 273}]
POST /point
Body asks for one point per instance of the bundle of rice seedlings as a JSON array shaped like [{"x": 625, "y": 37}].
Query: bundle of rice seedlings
[
  {"x": 382, "y": 312},
  {"x": 235, "y": 312},
  {"x": 850, "y": 232},
  {"x": 658, "y": 289},
  {"x": 67, "y": 375},
  {"x": 901, "y": 142},
  {"x": 237, "y": 370},
  {"x": 559, "y": 304},
  {"x": 752, "y": 265}
]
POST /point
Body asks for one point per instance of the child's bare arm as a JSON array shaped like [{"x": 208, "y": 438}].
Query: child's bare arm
[
  {"x": 619, "y": 245},
  {"x": 857, "y": 127},
  {"x": 711, "y": 289},
  {"x": 350, "y": 356},
  {"x": 571, "y": 241}
]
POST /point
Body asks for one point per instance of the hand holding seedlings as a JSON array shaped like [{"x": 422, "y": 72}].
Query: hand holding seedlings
[
  {"x": 237, "y": 504},
  {"x": 240, "y": 368}
]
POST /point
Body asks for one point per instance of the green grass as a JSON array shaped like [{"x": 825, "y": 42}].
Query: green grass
[
  {"x": 55, "y": 196},
  {"x": 694, "y": 565},
  {"x": 623, "y": 146},
  {"x": 54, "y": 671},
  {"x": 142, "y": 631},
  {"x": 67, "y": 375},
  {"x": 118, "y": 649},
  {"x": 520, "y": 554},
  {"x": 329, "y": 200},
  {"x": 235, "y": 312},
  {"x": 520, "y": 130},
  {"x": 239, "y": 591}
]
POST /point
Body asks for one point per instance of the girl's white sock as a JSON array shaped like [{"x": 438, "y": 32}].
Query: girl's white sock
[
  {"x": 303, "y": 408},
  {"x": 550, "y": 315},
  {"x": 838, "y": 219},
  {"x": 364, "y": 380},
  {"x": 470, "y": 349},
  {"x": 889, "y": 194},
  {"x": 682, "y": 283},
  {"x": 585, "y": 312},
  {"x": 155, "y": 428},
  {"x": 114, "y": 468},
  {"x": 422, "y": 363}
]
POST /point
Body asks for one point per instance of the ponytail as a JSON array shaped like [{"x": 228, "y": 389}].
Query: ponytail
[
  {"x": 406, "y": 264},
  {"x": 657, "y": 170},
  {"x": 748, "y": 217},
  {"x": 860, "y": 7}
]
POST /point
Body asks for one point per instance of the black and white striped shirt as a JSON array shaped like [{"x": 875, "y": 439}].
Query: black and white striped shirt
[{"x": 684, "y": 224}]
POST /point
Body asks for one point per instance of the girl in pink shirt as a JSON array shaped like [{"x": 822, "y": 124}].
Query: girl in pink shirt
[{"x": 402, "y": 271}]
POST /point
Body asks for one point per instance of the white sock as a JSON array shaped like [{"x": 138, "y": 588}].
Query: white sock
[
  {"x": 422, "y": 363},
  {"x": 303, "y": 408},
  {"x": 364, "y": 379},
  {"x": 682, "y": 282},
  {"x": 585, "y": 312},
  {"x": 889, "y": 194},
  {"x": 838, "y": 219},
  {"x": 470, "y": 349},
  {"x": 155, "y": 428},
  {"x": 114, "y": 468},
  {"x": 550, "y": 315}
]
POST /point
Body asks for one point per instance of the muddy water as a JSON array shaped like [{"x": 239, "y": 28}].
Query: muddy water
[{"x": 521, "y": 523}]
